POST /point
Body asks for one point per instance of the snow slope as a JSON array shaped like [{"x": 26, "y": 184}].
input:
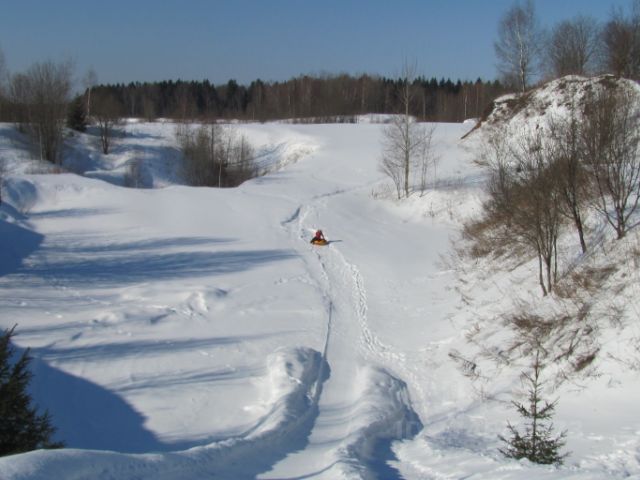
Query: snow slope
[{"x": 191, "y": 332}]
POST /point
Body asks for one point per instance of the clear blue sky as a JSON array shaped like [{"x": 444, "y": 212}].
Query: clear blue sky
[{"x": 146, "y": 40}]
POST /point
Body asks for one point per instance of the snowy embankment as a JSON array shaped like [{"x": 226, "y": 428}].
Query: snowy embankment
[
  {"x": 289, "y": 412},
  {"x": 192, "y": 332}
]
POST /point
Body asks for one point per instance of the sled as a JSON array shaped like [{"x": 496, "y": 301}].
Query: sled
[{"x": 319, "y": 242}]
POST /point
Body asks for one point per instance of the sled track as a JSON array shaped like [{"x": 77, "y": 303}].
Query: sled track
[{"x": 378, "y": 403}]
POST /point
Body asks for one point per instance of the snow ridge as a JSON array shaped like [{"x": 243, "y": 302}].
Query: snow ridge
[{"x": 291, "y": 377}]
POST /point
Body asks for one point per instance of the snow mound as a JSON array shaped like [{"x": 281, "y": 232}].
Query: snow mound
[
  {"x": 292, "y": 378},
  {"x": 553, "y": 99},
  {"x": 276, "y": 156},
  {"x": 382, "y": 415},
  {"x": 20, "y": 193},
  {"x": 288, "y": 404}
]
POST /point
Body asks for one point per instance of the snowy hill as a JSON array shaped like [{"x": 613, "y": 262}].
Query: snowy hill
[
  {"x": 553, "y": 99},
  {"x": 192, "y": 332}
]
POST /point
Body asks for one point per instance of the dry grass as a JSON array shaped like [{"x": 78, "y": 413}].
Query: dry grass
[
  {"x": 586, "y": 280},
  {"x": 583, "y": 361}
]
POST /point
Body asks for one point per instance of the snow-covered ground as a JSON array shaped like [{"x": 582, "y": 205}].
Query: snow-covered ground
[{"x": 186, "y": 332}]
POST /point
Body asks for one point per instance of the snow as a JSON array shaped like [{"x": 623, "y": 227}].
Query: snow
[{"x": 186, "y": 332}]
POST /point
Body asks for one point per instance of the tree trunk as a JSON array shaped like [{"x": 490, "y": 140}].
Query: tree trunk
[
  {"x": 540, "y": 275},
  {"x": 577, "y": 220},
  {"x": 407, "y": 139}
]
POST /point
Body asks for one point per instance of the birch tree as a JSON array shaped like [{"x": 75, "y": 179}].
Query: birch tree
[
  {"x": 90, "y": 80},
  {"x": 406, "y": 144},
  {"x": 519, "y": 44}
]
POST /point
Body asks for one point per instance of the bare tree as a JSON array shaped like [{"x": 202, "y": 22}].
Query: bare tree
[
  {"x": 107, "y": 113},
  {"x": 406, "y": 143},
  {"x": 620, "y": 43},
  {"x": 3, "y": 69},
  {"x": 89, "y": 81},
  {"x": 572, "y": 47},
  {"x": 519, "y": 44},
  {"x": 524, "y": 198},
  {"x": 42, "y": 96},
  {"x": 567, "y": 158},
  {"x": 18, "y": 100},
  {"x": 214, "y": 156},
  {"x": 495, "y": 155},
  {"x": 200, "y": 148},
  {"x": 242, "y": 161},
  {"x": 539, "y": 215},
  {"x": 426, "y": 159},
  {"x": 611, "y": 139}
]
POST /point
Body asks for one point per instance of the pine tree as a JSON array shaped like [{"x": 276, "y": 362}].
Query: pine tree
[
  {"x": 21, "y": 428},
  {"x": 77, "y": 115},
  {"x": 537, "y": 443}
]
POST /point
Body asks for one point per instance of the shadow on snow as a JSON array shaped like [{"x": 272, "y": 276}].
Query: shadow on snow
[
  {"x": 16, "y": 243},
  {"x": 140, "y": 348},
  {"x": 121, "y": 264},
  {"x": 87, "y": 415}
]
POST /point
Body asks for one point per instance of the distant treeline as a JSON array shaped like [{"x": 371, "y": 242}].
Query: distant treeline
[{"x": 304, "y": 98}]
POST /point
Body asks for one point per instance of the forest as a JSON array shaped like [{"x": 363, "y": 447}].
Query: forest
[{"x": 329, "y": 98}]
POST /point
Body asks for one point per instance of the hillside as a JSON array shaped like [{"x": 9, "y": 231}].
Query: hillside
[
  {"x": 553, "y": 99},
  {"x": 588, "y": 328},
  {"x": 189, "y": 332}
]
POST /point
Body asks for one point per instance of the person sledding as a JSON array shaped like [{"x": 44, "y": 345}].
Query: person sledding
[{"x": 318, "y": 238}]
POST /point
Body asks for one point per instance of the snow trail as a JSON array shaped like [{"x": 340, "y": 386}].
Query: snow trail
[{"x": 362, "y": 407}]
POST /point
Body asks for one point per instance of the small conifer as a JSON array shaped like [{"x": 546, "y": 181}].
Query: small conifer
[
  {"x": 538, "y": 442},
  {"x": 77, "y": 115},
  {"x": 21, "y": 427}
]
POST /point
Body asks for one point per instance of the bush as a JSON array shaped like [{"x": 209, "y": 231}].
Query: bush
[{"x": 214, "y": 156}]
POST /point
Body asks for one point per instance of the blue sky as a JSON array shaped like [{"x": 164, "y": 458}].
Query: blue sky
[{"x": 143, "y": 40}]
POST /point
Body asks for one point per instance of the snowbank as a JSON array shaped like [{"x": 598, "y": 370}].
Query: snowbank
[{"x": 287, "y": 407}]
